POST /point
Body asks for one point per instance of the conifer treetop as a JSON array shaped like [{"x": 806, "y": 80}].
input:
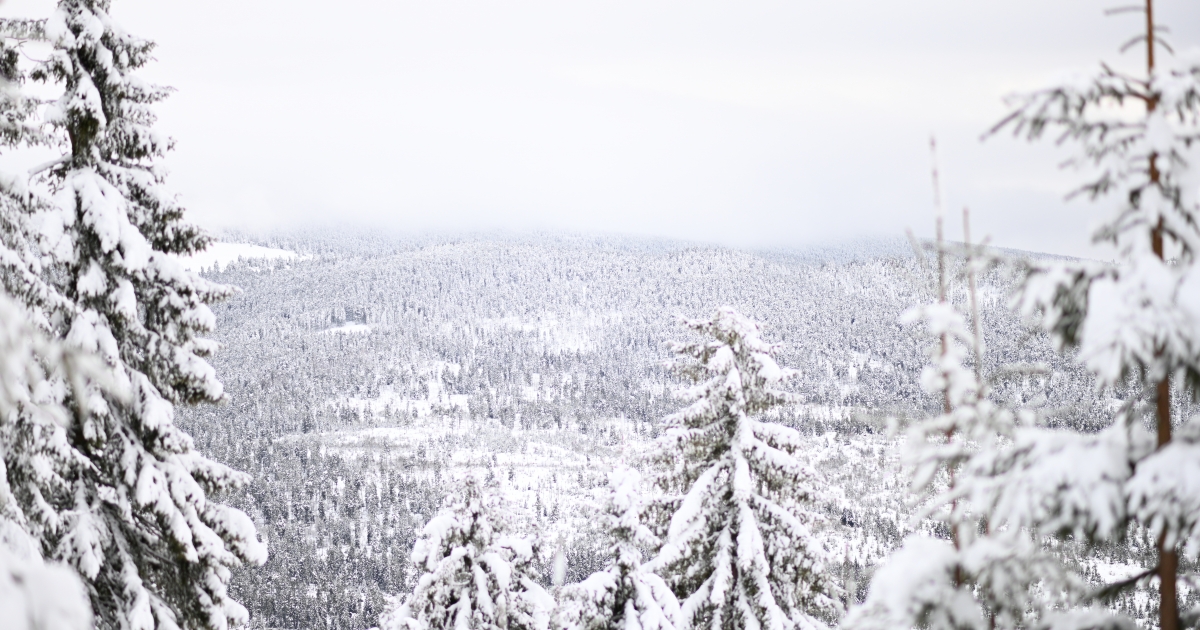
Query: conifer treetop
[
  {"x": 734, "y": 368},
  {"x": 117, "y": 224},
  {"x": 623, "y": 596},
  {"x": 740, "y": 547},
  {"x": 1142, "y": 314},
  {"x": 476, "y": 574}
]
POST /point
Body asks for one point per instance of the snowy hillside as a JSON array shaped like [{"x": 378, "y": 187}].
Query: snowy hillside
[{"x": 361, "y": 384}]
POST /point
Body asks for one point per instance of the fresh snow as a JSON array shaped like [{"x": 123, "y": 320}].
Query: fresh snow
[
  {"x": 349, "y": 329},
  {"x": 220, "y": 255},
  {"x": 463, "y": 373}
]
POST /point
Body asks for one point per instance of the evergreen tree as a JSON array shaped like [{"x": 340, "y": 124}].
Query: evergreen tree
[
  {"x": 35, "y": 373},
  {"x": 122, "y": 496},
  {"x": 476, "y": 574},
  {"x": 623, "y": 596},
  {"x": 736, "y": 510},
  {"x": 32, "y": 411},
  {"x": 1138, "y": 320},
  {"x": 977, "y": 469}
]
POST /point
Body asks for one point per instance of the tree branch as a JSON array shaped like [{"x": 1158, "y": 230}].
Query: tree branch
[
  {"x": 48, "y": 165},
  {"x": 1110, "y": 590}
]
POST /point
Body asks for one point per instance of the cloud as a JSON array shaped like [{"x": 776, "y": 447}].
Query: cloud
[{"x": 756, "y": 122}]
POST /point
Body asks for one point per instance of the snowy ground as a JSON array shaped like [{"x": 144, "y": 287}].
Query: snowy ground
[{"x": 220, "y": 255}]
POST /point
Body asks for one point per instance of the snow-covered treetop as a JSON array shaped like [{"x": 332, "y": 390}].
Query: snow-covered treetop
[
  {"x": 621, "y": 513},
  {"x": 475, "y": 573},
  {"x": 114, "y": 223},
  {"x": 104, "y": 107},
  {"x": 469, "y": 519},
  {"x": 735, "y": 378},
  {"x": 1092, "y": 112},
  {"x": 1144, "y": 313},
  {"x": 734, "y": 368},
  {"x": 740, "y": 544},
  {"x": 121, "y": 496}
]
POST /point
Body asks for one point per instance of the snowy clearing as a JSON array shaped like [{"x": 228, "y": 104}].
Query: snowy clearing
[
  {"x": 220, "y": 255},
  {"x": 348, "y": 329}
]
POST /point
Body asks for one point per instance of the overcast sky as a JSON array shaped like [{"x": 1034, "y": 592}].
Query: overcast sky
[{"x": 746, "y": 122}]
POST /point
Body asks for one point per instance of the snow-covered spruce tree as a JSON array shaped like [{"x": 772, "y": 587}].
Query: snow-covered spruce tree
[
  {"x": 475, "y": 574},
  {"x": 131, "y": 511},
  {"x": 35, "y": 373},
  {"x": 623, "y": 596},
  {"x": 1140, "y": 318},
  {"x": 976, "y": 470},
  {"x": 39, "y": 371},
  {"x": 736, "y": 513}
]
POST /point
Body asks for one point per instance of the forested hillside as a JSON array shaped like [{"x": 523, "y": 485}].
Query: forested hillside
[{"x": 362, "y": 382}]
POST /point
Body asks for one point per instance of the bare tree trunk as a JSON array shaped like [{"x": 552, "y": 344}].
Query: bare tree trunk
[{"x": 946, "y": 407}]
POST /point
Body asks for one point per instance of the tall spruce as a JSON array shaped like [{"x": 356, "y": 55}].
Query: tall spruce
[
  {"x": 737, "y": 512},
  {"x": 129, "y": 507},
  {"x": 1137, "y": 320},
  {"x": 624, "y": 596},
  {"x": 36, "y": 371}
]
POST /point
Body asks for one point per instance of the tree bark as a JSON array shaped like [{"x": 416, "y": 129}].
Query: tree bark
[{"x": 1168, "y": 557}]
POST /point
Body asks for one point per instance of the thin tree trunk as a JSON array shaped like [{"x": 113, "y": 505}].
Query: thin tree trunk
[
  {"x": 946, "y": 407},
  {"x": 1168, "y": 558}
]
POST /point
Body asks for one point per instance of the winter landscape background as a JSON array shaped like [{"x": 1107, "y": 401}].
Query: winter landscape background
[
  {"x": 368, "y": 374},
  {"x": 314, "y": 391}
]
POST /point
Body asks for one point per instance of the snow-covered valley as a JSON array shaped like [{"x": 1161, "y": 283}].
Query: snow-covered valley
[{"x": 539, "y": 364}]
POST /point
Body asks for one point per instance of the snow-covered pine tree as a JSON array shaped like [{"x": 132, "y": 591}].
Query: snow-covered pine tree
[
  {"x": 623, "y": 596},
  {"x": 35, "y": 373},
  {"x": 976, "y": 470},
  {"x": 475, "y": 573},
  {"x": 736, "y": 513},
  {"x": 1138, "y": 319},
  {"x": 128, "y": 506}
]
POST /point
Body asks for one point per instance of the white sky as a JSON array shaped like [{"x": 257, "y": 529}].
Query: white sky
[{"x": 744, "y": 122}]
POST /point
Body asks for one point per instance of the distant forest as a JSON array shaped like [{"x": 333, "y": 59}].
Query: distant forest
[{"x": 364, "y": 380}]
